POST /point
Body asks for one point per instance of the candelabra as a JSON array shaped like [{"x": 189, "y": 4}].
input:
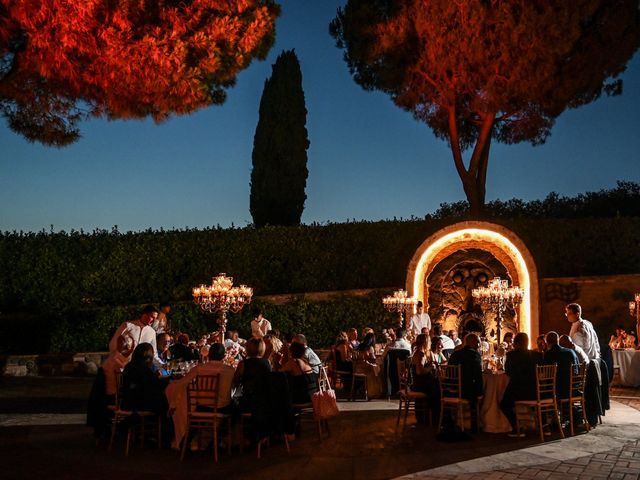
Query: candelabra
[
  {"x": 497, "y": 296},
  {"x": 634, "y": 310},
  {"x": 221, "y": 297},
  {"x": 399, "y": 302}
]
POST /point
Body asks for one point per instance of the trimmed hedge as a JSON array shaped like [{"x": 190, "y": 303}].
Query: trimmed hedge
[
  {"x": 91, "y": 329},
  {"x": 78, "y": 282}
]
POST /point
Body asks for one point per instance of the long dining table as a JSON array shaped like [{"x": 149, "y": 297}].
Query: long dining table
[
  {"x": 491, "y": 417},
  {"x": 628, "y": 361}
]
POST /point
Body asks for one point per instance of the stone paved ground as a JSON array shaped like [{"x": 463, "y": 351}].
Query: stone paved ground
[
  {"x": 365, "y": 444},
  {"x": 619, "y": 464}
]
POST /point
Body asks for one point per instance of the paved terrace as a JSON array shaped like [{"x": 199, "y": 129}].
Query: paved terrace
[{"x": 42, "y": 434}]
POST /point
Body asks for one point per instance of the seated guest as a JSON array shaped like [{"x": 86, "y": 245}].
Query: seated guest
[
  {"x": 352, "y": 333},
  {"x": 520, "y": 366},
  {"x": 216, "y": 366},
  {"x": 563, "y": 358},
  {"x": 114, "y": 364},
  {"x": 309, "y": 355},
  {"x": 251, "y": 373},
  {"x": 399, "y": 342},
  {"x": 142, "y": 389},
  {"x": 302, "y": 381},
  {"x": 470, "y": 372},
  {"x": 435, "y": 355},
  {"x": 424, "y": 379},
  {"x": 453, "y": 335},
  {"x": 541, "y": 344},
  {"x": 163, "y": 341},
  {"x": 275, "y": 340},
  {"x": 367, "y": 348},
  {"x": 508, "y": 340},
  {"x": 447, "y": 343},
  {"x": 566, "y": 342},
  {"x": 342, "y": 353},
  {"x": 181, "y": 350},
  {"x": 232, "y": 341},
  {"x": 270, "y": 353},
  {"x": 621, "y": 339}
]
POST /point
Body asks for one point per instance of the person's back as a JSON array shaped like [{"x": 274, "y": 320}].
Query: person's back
[
  {"x": 520, "y": 366},
  {"x": 470, "y": 370},
  {"x": 142, "y": 389},
  {"x": 563, "y": 358},
  {"x": 302, "y": 380}
]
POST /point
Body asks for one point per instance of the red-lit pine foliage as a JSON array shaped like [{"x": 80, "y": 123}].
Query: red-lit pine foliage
[
  {"x": 477, "y": 70},
  {"x": 63, "y": 60}
]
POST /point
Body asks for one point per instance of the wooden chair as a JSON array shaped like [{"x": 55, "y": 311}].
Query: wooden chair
[
  {"x": 359, "y": 375},
  {"x": 578, "y": 376},
  {"x": 202, "y": 411},
  {"x": 119, "y": 415},
  {"x": 407, "y": 397},
  {"x": 545, "y": 400},
  {"x": 451, "y": 395}
]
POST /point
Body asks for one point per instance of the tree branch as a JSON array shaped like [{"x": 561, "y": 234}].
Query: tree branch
[
  {"x": 488, "y": 119},
  {"x": 455, "y": 143}
]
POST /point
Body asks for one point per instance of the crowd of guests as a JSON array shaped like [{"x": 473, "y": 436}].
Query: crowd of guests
[
  {"x": 147, "y": 359},
  {"x": 251, "y": 371}
]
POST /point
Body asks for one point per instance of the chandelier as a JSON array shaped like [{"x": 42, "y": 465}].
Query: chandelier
[
  {"x": 399, "y": 302},
  {"x": 221, "y": 297},
  {"x": 497, "y": 296}
]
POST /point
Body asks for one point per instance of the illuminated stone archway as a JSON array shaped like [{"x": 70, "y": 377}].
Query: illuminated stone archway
[{"x": 506, "y": 246}]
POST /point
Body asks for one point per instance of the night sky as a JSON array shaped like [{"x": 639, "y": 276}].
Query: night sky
[{"x": 368, "y": 160}]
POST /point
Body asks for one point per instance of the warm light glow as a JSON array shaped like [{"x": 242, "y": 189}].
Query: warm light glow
[{"x": 416, "y": 285}]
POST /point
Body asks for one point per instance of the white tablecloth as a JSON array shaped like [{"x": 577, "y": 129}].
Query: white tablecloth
[
  {"x": 493, "y": 420},
  {"x": 629, "y": 363}
]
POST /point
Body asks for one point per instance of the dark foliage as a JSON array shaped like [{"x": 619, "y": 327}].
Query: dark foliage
[
  {"x": 279, "y": 174},
  {"x": 622, "y": 201}
]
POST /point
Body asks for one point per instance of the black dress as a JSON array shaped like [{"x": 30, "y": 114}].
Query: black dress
[
  {"x": 143, "y": 390},
  {"x": 254, "y": 377},
  {"x": 302, "y": 386}
]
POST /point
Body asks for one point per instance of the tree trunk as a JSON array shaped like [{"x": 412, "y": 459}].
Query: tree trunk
[{"x": 474, "y": 177}]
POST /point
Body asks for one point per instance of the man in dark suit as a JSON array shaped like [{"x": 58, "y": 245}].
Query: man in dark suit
[
  {"x": 563, "y": 358},
  {"x": 520, "y": 366},
  {"x": 470, "y": 372}
]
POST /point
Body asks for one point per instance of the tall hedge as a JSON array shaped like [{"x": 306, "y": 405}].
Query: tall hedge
[{"x": 72, "y": 286}]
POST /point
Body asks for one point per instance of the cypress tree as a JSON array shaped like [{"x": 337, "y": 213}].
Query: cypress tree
[{"x": 280, "y": 144}]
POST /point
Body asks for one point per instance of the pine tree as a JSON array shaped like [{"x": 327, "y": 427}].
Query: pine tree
[
  {"x": 481, "y": 71},
  {"x": 62, "y": 61},
  {"x": 279, "y": 174}
]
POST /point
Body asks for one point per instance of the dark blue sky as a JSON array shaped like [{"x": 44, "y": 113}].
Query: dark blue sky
[{"x": 367, "y": 159}]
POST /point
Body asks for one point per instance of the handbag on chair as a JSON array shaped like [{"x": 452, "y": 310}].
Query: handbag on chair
[{"x": 324, "y": 400}]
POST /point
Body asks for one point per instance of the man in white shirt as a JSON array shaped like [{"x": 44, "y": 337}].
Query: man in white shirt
[
  {"x": 447, "y": 343},
  {"x": 400, "y": 343},
  {"x": 419, "y": 321},
  {"x": 140, "y": 330},
  {"x": 259, "y": 325},
  {"x": 582, "y": 332}
]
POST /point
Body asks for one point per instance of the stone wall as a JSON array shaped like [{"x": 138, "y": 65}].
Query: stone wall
[{"x": 604, "y": 301}]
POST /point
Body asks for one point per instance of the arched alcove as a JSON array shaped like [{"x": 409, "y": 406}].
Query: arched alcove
[{"x": 500, "y": 242}]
